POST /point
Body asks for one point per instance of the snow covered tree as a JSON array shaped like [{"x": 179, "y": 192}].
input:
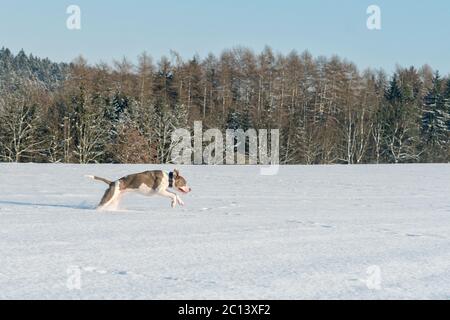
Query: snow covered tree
[
  {"x": 238, "y": 120},
  {"x": 20, "y": 123},
  {"x": 447, "y": 102},
  {"x": 90, "y": 130},
  {"x": 326, "y": 109},
  {"x": 165, "y": 121},
  {"x": 130, "y": 145},
  {"x": 397, "y": 117},
  {"x": 15, "y": 69},
  {"x": 435, "y": 119}
]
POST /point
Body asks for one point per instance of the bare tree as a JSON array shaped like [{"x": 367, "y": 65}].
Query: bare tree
[
  {"x": 91, "y": 137},
  {"x": 19, "y": 120}
]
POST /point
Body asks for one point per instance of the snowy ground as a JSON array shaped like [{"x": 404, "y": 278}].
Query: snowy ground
[{"x": 306, "y": 233}]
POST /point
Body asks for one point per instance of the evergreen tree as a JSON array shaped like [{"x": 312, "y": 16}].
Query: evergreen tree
[
  {"x": 435, "y": 118},
  {"x": 398, "y": 124},
  {"x": 238, "y": 120},
  {"x": 115, "y": 109},
  {"x": 326, "y": 110},
  {"x": 15, "y": 69},
  {"x": 447, "y": 102}
]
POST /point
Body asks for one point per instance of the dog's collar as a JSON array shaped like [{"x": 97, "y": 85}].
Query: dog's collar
[{"x": 170, "y": 179}]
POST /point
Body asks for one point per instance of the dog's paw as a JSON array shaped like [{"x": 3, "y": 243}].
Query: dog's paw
[{"x": 180, "y": 202}]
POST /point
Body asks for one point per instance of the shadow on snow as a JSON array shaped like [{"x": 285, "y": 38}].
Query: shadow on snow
[{"x": 82, "y": 206}]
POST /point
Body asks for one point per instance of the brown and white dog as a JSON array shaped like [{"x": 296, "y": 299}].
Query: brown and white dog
[{"x": 147, "y": 183}]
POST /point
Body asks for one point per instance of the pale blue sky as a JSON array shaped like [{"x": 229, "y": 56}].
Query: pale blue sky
[{"x": 413, "y": 32}]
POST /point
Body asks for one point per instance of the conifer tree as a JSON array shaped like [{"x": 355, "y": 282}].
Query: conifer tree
[{"x": 435, "y": 119}]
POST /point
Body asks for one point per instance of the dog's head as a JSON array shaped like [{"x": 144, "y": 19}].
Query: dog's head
[{"x": 179, "y": 183}]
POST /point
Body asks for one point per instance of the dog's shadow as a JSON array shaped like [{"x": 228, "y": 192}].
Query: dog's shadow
[{"x": 82, "y": 206}]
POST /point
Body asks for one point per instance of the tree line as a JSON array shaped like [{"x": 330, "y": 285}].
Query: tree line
[{"x": 327, "y": 111}]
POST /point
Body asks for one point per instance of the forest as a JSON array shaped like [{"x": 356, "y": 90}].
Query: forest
[{"x": 327, "y": 110}]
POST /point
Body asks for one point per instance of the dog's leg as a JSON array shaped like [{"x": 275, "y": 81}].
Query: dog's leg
[
  {"x": 179, "y": 200},
  {"x": 114, "y": 205},
  {"x": 171, "y": 195},
  {"x": 111, "y": 195}
]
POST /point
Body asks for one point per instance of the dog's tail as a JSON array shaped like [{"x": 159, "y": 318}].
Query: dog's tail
[{"x": 99, "y": 179}]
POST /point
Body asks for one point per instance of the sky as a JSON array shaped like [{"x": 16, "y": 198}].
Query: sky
[{"x": 412, "y": 32}]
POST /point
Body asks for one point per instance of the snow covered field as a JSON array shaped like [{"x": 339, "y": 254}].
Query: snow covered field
[{"x": 306, "y": 233}]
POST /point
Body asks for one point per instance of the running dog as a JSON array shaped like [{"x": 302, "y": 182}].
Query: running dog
[{"x": 147, "y": 183}]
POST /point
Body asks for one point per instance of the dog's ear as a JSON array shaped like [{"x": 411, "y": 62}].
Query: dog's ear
[{"x": 176, "y": 173}]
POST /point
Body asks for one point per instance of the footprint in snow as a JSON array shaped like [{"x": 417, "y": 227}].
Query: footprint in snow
[
  {"x": 413, "y": 235},
  {"x": 410, "y": 235},
  {"x": 232, "y": 204},
  {"x": 105, "y": 272},
  {"x": 94, "y": 270},
  {"x": 311, "y": 223}
]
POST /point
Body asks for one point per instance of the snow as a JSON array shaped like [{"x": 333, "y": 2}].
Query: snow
[{"x": 325, "y": 232}]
